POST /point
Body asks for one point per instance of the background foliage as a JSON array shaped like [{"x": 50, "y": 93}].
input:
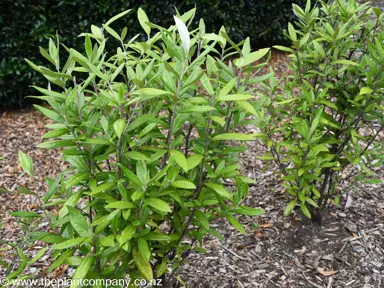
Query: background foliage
[{"x": 26, "y": 24}]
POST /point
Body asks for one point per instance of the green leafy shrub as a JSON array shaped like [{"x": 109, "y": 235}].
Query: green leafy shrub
[
  {"x": 145, "y": 133},
  {"x": 25, "y": 24},
  {"x": 331, "y": 110}
]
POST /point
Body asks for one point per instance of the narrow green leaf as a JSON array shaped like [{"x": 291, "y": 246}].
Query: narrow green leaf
[
  {"x": 25, "y": 214},
  {"x": 136, "y": 156},
  {"x": 291, "y": 205},
  {"x": 143, "y": 19},
  {"x": 119, "y": 126},
  {"x": 234, "y": 136},
  {"x": 365, "y": 90},
  {"x": 114, "y": 18},
  {"x": 126, "y": 234},
  {"x": 144, "y": 248},
  {"x": 235, "y": 223},
  {"x": 194, "y": 160},
  {"x": 305, "y": 210},
  {"x": 79, "y": 222},
  {"x": 183, "y": 185},
  {"x": 235, "y": 97},
  {"x": 55, "y": 144},
  {"x": 142, "y": 264},
  {"x": 292, "y": 32},
  {"x": 219, "y": 189},
  {"x": 71, "y": 242},
  {"x": 61, "y": 259},
  {"x": 180, "y": 159},
  {"x": 48, "y": 113},
  {"x": 158, "y": 204},
  {"x": 82, "y": 271},
  {"x": 218, "y": 120},
  {"x": 121, "y": 205},
  {"x": 26, "y": 163},
  {"x": 247, "y": 107},
  {"x": 130, "y": 175},
  {"x": 203, "y": 220}
]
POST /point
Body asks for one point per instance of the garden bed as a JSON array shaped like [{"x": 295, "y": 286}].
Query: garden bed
[{"x": 346, "y": 251}]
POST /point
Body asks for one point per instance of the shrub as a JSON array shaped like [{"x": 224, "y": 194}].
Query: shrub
[
  {"x": 145, "y": 134},
  {"x": 27, "y": 24},
  {"x": 331, "y": 111}
]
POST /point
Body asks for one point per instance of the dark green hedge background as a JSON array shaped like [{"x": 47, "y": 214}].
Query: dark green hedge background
[{"x": 27, "y": 24}]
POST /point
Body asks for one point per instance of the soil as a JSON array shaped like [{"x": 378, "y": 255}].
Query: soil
[{"x": 347, "y": 250}]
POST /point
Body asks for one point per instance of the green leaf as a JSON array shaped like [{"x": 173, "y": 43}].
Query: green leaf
[
  {"x": 55, "y": 133},
  {"x": 283, "y": 48},
  {"x": 235, "y": 97},
  {"x": 219, "y": 189},
  {"x": 126, "y": 234},
  {"x": 194, "y": 160},
  {"x": 153, "y": 236},
  {"x": 291, "y": 205},
  {"x": 24, "y": 214},
  {"x": 247, "y": 107},
  {"x": 305, "y": 210},
  {"x": 107, "y": 241},
  {"x": 345, "y": 62},
  {"x": 71, "y": 242},
  {"x": 136, "y": 155},
  {"x": 158, "y": 204},
  {"x": 228, "y": 87},
  {"x": 24, "y": 190},
  {"x": 38, "y": 255},
  {"x": 88, "y": 46},
  {"x": 79, "y": 222},
  {"x": 55, "y": 144},
  {"x": 112, "y": 32},
  {"x": 310, "y": 201},
  {"x": 82, "y": 271},
  {"x": 104, "y": 221},
  {"x": 315, "y": 122},
  {"x": 292, "y": 32},
  {"x": 121, "y": 205},
  {"x": 26, "y": 163},
  {"x": 180, "y": 159},
  {"x": 143, "y": 19},
  {"x": 202, "y": 219},
  {"x": 234, "y": 136},
  {"x": 150, "y": 92},
  {"x": 114, "y": 18},
  {"x": 45, "y": 54},
  {"x": 197, "y": 109},
  {"x": 61, "y": 259},
  {"x": 130, "y": 175},
  {"x": 103, "y": 187},
  {"x": 71, "y": 201},
  {"x": 142, "y": 264},
  {"x": 76, "y": 179},
  {"x": 249, "y": 211},
  {"x": 142, "y": 171},
  {"x": 365, "y": 90},
  {"x": 48, "y": 113},
  {"x": 235, "y": 223},
  {"x": 50, "y": 93},
  {"x": 251, "y": 57},
  {"x": 144, "y": 248},
  {"x": 301, "y": 126},
  {"x": 183, "y": 185},
  {"x": 218, "y": 120},
  {"x": 119, "y": 126}
]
